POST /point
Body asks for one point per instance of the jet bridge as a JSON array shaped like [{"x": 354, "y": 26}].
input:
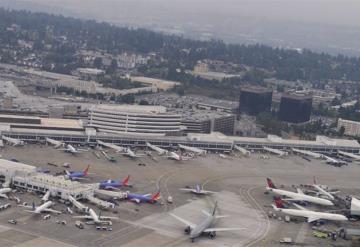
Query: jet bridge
[
  {"x": 350, "y": 155},
  {"x": 113, "y": 194},
  {"x": 100, "y": 203},
  {"x": 195, "y": 150},
  {"x": 275, "y": 151},
  {"x": 242, "y": 150}
]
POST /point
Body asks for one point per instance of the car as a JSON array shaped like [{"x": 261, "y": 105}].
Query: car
[
  {"x": 319, "y": 234},
  {"x": 46, "y": 217},
  {"x": 79, "y": 224},
  {"x": 12, "y": 221}
]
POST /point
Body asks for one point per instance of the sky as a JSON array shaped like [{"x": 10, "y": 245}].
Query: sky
[{"x": 329, "y": 25}]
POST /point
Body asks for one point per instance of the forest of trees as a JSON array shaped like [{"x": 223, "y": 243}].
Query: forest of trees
[{"x": 177, "y": 52}]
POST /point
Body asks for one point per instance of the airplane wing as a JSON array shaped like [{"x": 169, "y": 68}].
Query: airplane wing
[
  {"x": 205, "y": 212},
  {"x": 299, "y": 191},
  {"x": 108, "y": 218},
  {"x": 222, "y": 229},
  {"x": 208, "y": 192},
  {"x": 221, "y": 216},
  {"x": 51, "y": 211},
  {"x": 111, "y": 188},
  {"x": 312, "y": 219},
  {"x": 4, "y": 196},
  {"x": 188, "y": 223},
  {"x": 186, "y": 189},
  {"x": 83, "y": 217},
  {"x": 299, "y": 207}
]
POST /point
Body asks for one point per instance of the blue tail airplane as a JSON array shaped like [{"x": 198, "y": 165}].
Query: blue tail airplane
[
  {"x": 138, "y": 198},
  {"x": 73, "y": 175},
  {"x": 114, "y": 185}
]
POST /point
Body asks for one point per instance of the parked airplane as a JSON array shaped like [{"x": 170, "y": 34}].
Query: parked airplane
[
  {"x": 112, "y": 184},
  {"x": 159, "y": 150},
  {"x": 43, "y": 208},
  {"x": 350, "y": 155},
  {"x": 138, "y": 198},
  {"x": 321, "y": 190},
  {"x": 195, "y": 150},
  {"x": 4, "y": 192},
  {"x": 299, "y": 196},
  {"x": 311, "y": 216},
  {"x": 73, "y": 175},
  {"x": 131, "y": 154},
  {"x": 13, "y": 142},
  {"x": 205, "y": 226},
  {"x": 96, "y": 219},
  {"x": 175, "y": 156},
  {"x": 46, "y": 196},
  {"x": 112, "y": 146},
  {"x": 198, "y": 190},
  {"x": 71, "y": 149},
  {"x": 55, "y": 143}
]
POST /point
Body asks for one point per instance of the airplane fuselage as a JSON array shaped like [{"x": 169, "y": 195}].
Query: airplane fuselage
[
  {"x": 300, "y": 197},
  {"x": 40, "y": 208},
  {"x": 200, "y": 228},
  {"x": 313, "y": 214}
]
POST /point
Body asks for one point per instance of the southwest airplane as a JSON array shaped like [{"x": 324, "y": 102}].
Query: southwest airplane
[
  {"x": 72, "y": 175},
  {"x": 43, "y": 208},
  {"x": 14, "y": 142},
  {"x": 4, "y": 192},
  {"x": 138, "y": 198},
  {"x": 205, "y": 226},
  {"x": 96, "y": 219},
  {"x": 55, "y": 143},
  {"x": 299, "y": 196},
  {"x": 198, "y": 190},
  {"x": 160, "y": 151},
  {"x": 311, "y": 216},
  {"x": 112, "y": 184}
]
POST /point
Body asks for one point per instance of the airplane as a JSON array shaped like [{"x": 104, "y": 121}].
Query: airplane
[
  {"x": 112, "y": 184},
  {"x": 310, "y": 215},
  {"x": 195, "y": 150},
  {"x": 71, "y": 149},
  {"x": 205, "y": 226},
  {"x": 43, "y": 208},
  {"x": 55, "y": 143},
  {"x": 160, "y": 151},
  {"x": 198, "y": 190},
  {"x": 321, "y": 189},
  {"x": 138, "y": 198},
  {"x": 13, "y": 142},
  {"x": 4, "y": 192},
  {"x": 131, "y": 154},
  {"x": 297, "y": 196},
  {"x": 112, "y": 146},
  {"x": 96, "y": 219},
  {"x": 175, "y": 156},
  {"x": 72, "y": 175},
  {"x": 46, "y": 196}
]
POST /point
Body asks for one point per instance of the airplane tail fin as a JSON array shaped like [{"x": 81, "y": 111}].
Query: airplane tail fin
[
  {"x": 86, "y": 171},
  {"x": 126, "y": 181},
  {"x": 155, "y": 197},
  {"x": 270, "y": 183},
  {"x": 314, "y": 180},
  {"x": 215, "y": 207},
  {"x": 278, "y": 202},
  {"x": 33, "y": 206}
]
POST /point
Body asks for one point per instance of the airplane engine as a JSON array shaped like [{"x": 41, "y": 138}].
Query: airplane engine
[
  {"x": 187, "y": 230},
  {"x": 212, "y": 235}
]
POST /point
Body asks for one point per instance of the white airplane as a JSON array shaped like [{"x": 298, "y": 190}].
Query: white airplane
[
  {"x": 321, "y": 190},
  {"x": 46, "y": 196},
  {"x": 175, "y": 156},
  {"x": 112, "y": 146},
  {"x": 43, "y": 208},
  {"x": 195, "y": 150},
  {"x": 198, "y": 190},
  {"x": 205, "y": 227},
  {"x": 350, "y": 155},
  {"x": 55, "y": 143},
  {"x": 131, "y": 154},
  {"x": 70, "y": 149},
  {"x": 96, "y": 219},
  {"x": 160, "y": 151},
  {"x": 311, "y": 216},
  {"x": 4, "y": 192},
  {"x": 299, "y": 196},
  {"x": 13, "y": 142}
]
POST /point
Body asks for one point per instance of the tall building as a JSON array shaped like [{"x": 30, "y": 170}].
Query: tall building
[
  {"x": 134, "y": 119},
  {"x": 352, "y": 128},
  {"x": 254, "y": 100},
  {"x": 295, "y": 108}
]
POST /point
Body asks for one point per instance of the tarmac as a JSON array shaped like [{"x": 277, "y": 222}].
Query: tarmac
[{"x": 239, "y": 181}]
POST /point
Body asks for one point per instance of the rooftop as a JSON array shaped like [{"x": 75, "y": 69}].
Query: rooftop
[{"x": 130, "y": 108}]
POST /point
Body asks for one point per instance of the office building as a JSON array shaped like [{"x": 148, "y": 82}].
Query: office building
[
  {"x": 295, "y": 108},
  {"x": 352, "y": 128},
  {"x": 254, "y": 100}
]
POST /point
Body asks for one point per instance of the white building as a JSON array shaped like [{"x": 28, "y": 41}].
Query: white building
[
  {"x": 134, "y": 119},
  {"x": 352, "y": 128}
]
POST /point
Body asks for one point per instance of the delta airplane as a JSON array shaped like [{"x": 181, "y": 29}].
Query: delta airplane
[
  {"x": 96, "y": 219},
  {"x": 138, "y": 198},
  {"x": 13, "y": 142},
  {"x": 311, "y": 216},
  {"x": 71, "y": 149},
  {"x": 55, "y": 143},
  {"x": 321, "y": 189},
  {"x": 73, "y": 175},
  {"x": 4, "y": 192},
  {"x": 299, "y": 196},
  {"x": 198, "y": 190},
  {"x": 205, "y": 227},
  {"x": 115, "y": 185},
  {"x": 43, "y": 208},
  {"x": 160, "y": 151}
]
